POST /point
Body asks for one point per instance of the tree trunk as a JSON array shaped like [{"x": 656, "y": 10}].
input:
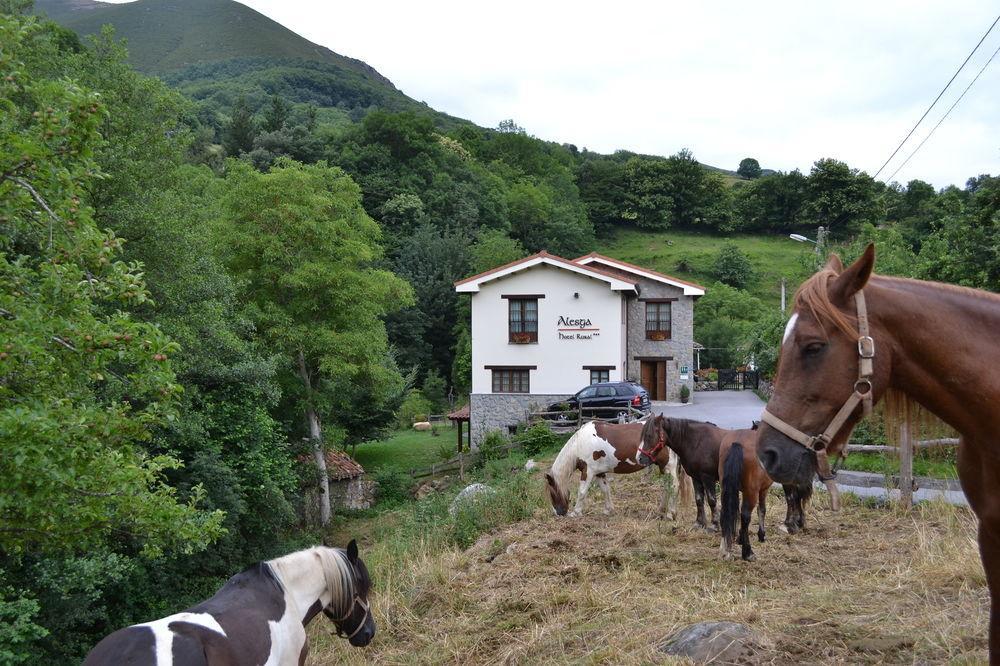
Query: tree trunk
[{"x": 316, "y": 440}]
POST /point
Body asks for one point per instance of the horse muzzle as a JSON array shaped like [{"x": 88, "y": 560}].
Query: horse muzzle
[{"x": 785, "y": 460}]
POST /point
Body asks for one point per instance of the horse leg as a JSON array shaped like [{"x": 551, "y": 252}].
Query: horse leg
[
  {"x": 979, "y": 478},
  {"x": 761, "y": 510},
  {"x": 790, "y": 526},
  {"x": 699, "y": 502},
  {"x": 710, "y": 494},
  {"x": 746, "y": 515},
  {"x": 602, "y": 481},
  {"x": 581, "y": 494}
]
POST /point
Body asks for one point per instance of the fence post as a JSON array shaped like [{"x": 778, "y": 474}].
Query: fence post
[
  {"x": 461, "y": 466},
  {"x": 905, "y": 463}
]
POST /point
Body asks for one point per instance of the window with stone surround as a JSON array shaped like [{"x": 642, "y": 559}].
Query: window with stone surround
[{"x": 658, "y": 319}]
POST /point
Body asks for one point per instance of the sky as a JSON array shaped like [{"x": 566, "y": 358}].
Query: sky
[{"x": 784, "y": 82}]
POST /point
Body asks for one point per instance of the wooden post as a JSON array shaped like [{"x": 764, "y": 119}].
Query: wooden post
[
  {"x": 461, "y": 465},
  {"x": 459, "y": 428},
  {"x": 905, "y": 463}
]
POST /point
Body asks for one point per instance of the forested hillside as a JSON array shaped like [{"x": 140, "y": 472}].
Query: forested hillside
[{"x": 204, "y": 285}]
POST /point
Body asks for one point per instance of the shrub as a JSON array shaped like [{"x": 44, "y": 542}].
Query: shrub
[
  {"x": 535, "y": 439},
  {"x": 435, "y": 391},
  {"x": 732, "y": 267},
  {"x": 393, "y": 486},
  {"x": 494, "y": 446},
  {"x": 415, "y": 408},
  {"x": 685, "y": 393},
  {"x": 515, "y": 499},
  {"x": 445, "y": 450}
]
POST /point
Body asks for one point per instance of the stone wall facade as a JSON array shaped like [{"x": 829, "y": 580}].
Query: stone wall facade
[
  {"x": 680, "y": 346},
  {"x": 499, "y": 411}
]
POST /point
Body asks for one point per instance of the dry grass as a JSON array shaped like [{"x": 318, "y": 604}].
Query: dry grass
[{"x": 862, "y": 586}]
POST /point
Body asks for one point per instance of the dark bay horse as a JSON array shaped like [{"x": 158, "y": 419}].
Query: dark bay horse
[
  {"x": 258, "y": 617},
  {"x": 697, "y": 444},
  {"x": 855, "y": 337},
  {"x": 598, "y": 448}
]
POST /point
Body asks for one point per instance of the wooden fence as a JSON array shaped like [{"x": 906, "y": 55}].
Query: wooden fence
[
  {"x": 458, "y": 463},
  {"x": 905, "y": 450}
]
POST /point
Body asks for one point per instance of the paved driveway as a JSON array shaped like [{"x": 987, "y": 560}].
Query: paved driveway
[{"x": 727, "y": 409}]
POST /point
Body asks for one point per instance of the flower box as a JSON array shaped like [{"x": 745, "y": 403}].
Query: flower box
[{"x": 521, "y": 338}]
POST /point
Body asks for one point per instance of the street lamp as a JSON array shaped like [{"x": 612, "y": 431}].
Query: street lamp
[{"x": 800, "y": 238}]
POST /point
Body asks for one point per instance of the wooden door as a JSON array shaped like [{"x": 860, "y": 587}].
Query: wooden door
[
  {"x": 648, "y": 377},
  {"x": 661, "y": 380}
]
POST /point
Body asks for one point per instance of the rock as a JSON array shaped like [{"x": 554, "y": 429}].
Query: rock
[
  {"x": 530, "y": 465},
  {"x": 715, "y": 642},
  {"x": 422, "y": 425},
  {"x": 470, "y": 493}
]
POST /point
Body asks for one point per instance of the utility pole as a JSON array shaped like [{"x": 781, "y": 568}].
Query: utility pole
[{"x": 782, "y": 295}]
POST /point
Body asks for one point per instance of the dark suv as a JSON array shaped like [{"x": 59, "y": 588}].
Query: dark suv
[{"x": 605, "y": 395}]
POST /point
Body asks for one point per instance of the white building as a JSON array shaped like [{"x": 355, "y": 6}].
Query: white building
[{"x": 543, "y": 327}]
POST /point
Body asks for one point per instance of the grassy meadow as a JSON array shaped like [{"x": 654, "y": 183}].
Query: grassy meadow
[
  {"x": 507, "y": 582},
  {"x": 404, "y": 450},
  {"x": 690, "y": 256}
]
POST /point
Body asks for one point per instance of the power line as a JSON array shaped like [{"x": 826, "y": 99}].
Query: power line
[
  {"x": 920, "y": 145},
  {"x": 964, "y": 62}
]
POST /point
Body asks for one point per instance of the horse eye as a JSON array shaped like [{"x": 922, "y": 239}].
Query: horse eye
[{"x": 814, "y": 348}]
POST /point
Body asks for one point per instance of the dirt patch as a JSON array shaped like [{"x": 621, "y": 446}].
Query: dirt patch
[{"x": 863, "y": 586}]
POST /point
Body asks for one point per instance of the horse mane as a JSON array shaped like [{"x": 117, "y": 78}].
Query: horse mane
[
  {"x": 814, "y": 295},
  {"x": 337, "y": 571},
  {"x": 565, "y": 463}
]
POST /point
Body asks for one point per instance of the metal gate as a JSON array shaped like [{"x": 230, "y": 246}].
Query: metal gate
[{"x": 731, "y": 379}]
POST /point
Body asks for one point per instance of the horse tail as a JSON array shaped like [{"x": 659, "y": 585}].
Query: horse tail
[
  {"x": 562, "y": 468},
  {"x": 732, "y": 479},
  {"x": 685, "y": 488}
]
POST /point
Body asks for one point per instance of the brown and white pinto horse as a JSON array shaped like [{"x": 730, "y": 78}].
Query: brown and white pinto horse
[
  {"x": 258, "y": 617},
  {"x": 598, "y": 448},
  {"x": 915, "y": 338}
]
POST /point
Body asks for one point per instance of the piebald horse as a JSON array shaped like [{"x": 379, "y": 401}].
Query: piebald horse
[
  {"x": 258, "y": 617},
  {"x": 853, "y": 338},
  {"x": 598, "y": 448}
]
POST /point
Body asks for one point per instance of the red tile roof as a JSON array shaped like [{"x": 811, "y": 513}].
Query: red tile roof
[
  {"x": 459, "y": 414},
  {"x": 340, "y": 466}
]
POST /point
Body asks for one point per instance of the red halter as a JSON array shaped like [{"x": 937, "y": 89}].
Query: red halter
[{"x": 661, "y": 441}]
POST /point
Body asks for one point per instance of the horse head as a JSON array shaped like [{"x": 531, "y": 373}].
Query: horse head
[
  {"x": 827, "y": 375},
  {"x": 352, "y": 616},
  {"x": 654, "y": 438},
  {"x": 559, "y": 496}
]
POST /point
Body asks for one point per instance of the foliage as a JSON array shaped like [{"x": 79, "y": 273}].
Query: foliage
[
  {"x": 493, "y": 446},
  {"x": 416, "y": 407},
  {"x": 393, "y": 486},
  {"x": 17, "y": 627},
  {"x": 536, "y": 439},
  {"x": 84, "y": 382},
  {"x": 732, "y": 267},
  {"x": 435, "y": 391},
  {"x": 749, "y": 168},
  {"x": 241, "y": 131},
  {"x": 685, "y": 393}
]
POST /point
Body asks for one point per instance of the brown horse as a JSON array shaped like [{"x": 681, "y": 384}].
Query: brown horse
[
  {"x": 598, "y": 448},
  {"x": 697, "y": 445},
  {"x": 854, "y": 336},
  {"x": 739, "y": 470}
]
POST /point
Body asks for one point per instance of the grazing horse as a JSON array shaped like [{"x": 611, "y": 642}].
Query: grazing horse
[
  {"x": 598, "y": 448},
  {"x": 697, "y": 446},
  {"x": 739, "y": 470},
  {"x": 258, "y": 617},
  {"x": 855, "y": 337}
]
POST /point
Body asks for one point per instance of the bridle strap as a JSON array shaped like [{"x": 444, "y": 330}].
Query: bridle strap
[
  {"x": 862, "y": 395},
  {"x": 350, "y": 609},
  {"x": 660, "y": 443}
]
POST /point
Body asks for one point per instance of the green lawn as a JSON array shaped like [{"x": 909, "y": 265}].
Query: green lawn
[
  {"x": 690, "y": 256},
  {"x": 406, "y": 449},
  {"x": 889, "y": 464}
]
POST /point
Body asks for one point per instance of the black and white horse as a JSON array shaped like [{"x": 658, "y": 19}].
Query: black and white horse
[{"x": 258, "y": 617}]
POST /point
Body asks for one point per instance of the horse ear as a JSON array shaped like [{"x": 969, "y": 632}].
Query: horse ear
[
  {"x": 352, "y": 551},
  {"x": 835, "y": 264},
  {"x": 853, "y": 279},
  {"x": 551, "y": 481}
]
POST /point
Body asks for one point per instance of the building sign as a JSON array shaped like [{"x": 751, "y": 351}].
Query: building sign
[
  {"x": 577, "y": 328},
  {"x": 684, "y": 372}
]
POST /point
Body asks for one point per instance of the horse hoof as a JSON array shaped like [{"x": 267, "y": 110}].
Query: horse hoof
[
  {"x": 784, "y": 528},
  {"x": 760, "y": 537},
  {"x": 750, "y": 558},
  {"x": 727, "y": 557}
]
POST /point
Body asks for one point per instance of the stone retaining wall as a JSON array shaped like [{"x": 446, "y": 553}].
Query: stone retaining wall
[{"x": 499, "y": 411}]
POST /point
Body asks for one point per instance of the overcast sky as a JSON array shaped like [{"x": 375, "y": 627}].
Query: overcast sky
[{"x": 785, "y": 82}]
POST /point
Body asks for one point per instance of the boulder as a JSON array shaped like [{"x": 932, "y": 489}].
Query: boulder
[
  {"x": 470, "y": 493},
  {"x": 422, "y": 425},
  {"x": 712, "y": 642}
]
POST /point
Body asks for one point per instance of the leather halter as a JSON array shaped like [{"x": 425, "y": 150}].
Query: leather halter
[
  {"x": 862, "y": 396},
  {"x": 661, "y": 441},
  {"x": 350, "y": 609}
]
